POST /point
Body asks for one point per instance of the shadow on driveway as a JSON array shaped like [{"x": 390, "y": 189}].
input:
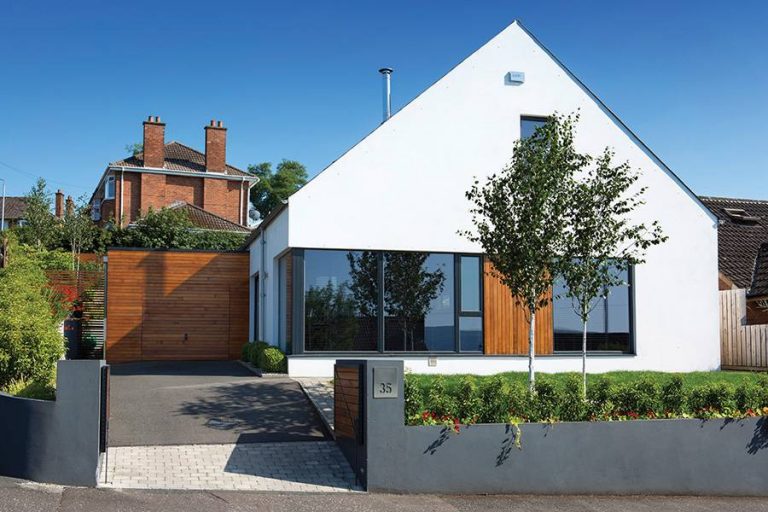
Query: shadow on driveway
[{"x": 201, "y": 402}]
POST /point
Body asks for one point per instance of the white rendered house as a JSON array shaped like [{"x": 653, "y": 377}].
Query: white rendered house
[{"x": 328, "y": 269}]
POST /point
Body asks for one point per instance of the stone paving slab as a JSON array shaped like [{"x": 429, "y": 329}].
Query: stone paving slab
[
  {"x": 320, "y": 393},
  {"x": 314, "y": 466}
]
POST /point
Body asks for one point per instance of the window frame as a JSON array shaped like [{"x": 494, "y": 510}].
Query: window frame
[
  {"x": 533, "y": 118},
  {"x": 107, "y": 195},
  {"x": 299, "y": 309},
  {"x": 632, "y": 350},
  {"x": 459, "y": 312}
]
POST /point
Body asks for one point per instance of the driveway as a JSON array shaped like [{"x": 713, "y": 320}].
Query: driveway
[{"x": 217, "y": 402}]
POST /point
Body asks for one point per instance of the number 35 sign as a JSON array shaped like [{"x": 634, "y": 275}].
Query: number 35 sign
[{"x": 385, "y": 383}]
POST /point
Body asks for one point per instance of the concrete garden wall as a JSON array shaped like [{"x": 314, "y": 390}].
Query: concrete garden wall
[
  {"x": 55, "y": 441},
  {"x": 716, "y": 457}
]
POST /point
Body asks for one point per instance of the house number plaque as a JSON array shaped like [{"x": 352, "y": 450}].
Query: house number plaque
[{"x": 385, "y": 383}]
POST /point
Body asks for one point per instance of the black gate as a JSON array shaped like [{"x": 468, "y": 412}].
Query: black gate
[{"x": 349, "y": 416}]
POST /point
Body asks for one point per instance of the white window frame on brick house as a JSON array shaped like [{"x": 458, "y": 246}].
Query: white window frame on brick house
[{"x": 109, "y": 188}]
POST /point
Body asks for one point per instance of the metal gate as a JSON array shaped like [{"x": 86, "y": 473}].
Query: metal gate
[{"x": 349, "y": 416}]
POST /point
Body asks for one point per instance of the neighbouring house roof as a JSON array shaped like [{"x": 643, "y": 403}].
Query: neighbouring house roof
[
  {"x": 742, "y": 241},
  {"x": 15, "y": 207},
  {"x": 760, "y": 278},
  {"x": 180, "y": 158},
  {"x": 204, "y": 219}
]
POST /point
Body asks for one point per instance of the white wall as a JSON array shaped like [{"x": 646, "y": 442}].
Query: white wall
[
  {"x": 403, "y": 188},
  {"x": 275, "y": 238}
]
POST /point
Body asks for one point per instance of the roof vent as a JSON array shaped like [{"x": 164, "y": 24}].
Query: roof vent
[{"x": 741, "y": 216}]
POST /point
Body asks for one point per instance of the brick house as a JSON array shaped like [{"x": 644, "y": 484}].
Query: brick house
[{"x": 164, "y": 174}]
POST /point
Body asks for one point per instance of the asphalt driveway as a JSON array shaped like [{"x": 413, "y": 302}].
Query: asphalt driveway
[{"x": 216, "y": 402}]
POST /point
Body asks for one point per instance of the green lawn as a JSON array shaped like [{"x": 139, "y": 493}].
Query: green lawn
[{"x": 689, "y": 379}]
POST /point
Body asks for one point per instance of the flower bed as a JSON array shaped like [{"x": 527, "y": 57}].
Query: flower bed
[{"x": 504, "y": 398}]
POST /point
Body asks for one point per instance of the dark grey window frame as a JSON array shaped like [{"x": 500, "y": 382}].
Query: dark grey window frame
[
  {"x": 459, "y": 312},
  {"x": 297, "y": 338},
  {"x": 631, "y": 307},
  {"x": 532, "y": 118}
]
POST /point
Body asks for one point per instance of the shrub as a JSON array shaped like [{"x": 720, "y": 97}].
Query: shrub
[
  {"x": 273, "y": 360},
  {"x": 439, "y": 401},
  {"x": 245, "y": 354},
  {"x": 600, "y": 398},
  {"x": 638, "y": 399},
  {"x": 468, "y": 405},
  {"x": 545, "y": 403},
  {"x": 711, "y": 399},
  {"x": 257, "y": 348},
  {"x": 748, "y": 396},
  {"x": 30, "y": 342},
  {"x": 673, "y": 396},
  {"x": 572, "y": 405},
  {"x": 414, "y": 400}
]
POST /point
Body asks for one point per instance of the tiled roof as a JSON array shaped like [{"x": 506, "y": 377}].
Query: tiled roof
[
  {"x": 204, "y": 219},
  {"x": 740, "y": 239},
  {"x": 14, "y": 207},
  {"x": 760, "y": 278},
  {"x": 179, "y": 157}
]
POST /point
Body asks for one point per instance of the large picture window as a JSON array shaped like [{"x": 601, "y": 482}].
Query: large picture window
[
  {"x": 340, "y": 300},
  {"x": 391, "y": 301},
  {"x": 610, "y": 323}
]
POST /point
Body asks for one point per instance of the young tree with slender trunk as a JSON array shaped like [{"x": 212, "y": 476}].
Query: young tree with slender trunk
[
  {"x": 602, "y": 242},
  {"x": 520, "y": 216},
  {"x": 78, "y": 229}
]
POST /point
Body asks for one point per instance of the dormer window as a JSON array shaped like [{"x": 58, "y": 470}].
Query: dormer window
[
  {"x": 741, "y": 216},
  {"x": 109, "y": 188}
]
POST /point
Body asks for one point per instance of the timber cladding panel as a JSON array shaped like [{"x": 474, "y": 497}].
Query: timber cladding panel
[
  {"x": 177, "y": 305},
  {"x": 505, "y": 323},
  {"x": 346, "y": 392}
]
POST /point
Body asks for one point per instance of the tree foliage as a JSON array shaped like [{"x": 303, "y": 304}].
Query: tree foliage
[
  {"x": 78, "y": 230},
  {"x": 171, "y": 228},
  {"x": 275, "y": 187},
  {"x": 41, "y": 227},
  {"x": 520, "y": 215},
  {"x": 602, "y": 241}
]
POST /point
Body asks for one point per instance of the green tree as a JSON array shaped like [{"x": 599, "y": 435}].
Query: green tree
[
  {"x": 135, "y": 148},
  {"x": 275, "y": 187},
  {"x": 41, "y": 227},
  {"x": 78, "y": 229},
  {"x": 520, "y": 216},
  {"x": 167, "y": 228},
  {"x": 602, "y": 241}
]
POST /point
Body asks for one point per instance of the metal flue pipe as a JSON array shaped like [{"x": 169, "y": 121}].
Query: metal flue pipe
[{"x": 386, "y": 74}]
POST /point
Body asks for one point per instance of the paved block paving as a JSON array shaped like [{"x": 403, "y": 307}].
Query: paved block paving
[
  {"x": 320, "y": 393},
  {"x": 290, "y": 467}
]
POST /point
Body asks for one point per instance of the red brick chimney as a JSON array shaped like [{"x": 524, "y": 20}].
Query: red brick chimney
[
  {"x": 215, "y": 147},
  {"x": 70, "y": 208},
  {"x": 59, "y": 204},
  {"x": 154, "y": 142}
]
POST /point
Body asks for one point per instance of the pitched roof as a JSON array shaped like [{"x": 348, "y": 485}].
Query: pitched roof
[
  {"x": 179, "y": 157},
  {"x": 741, "y": 237},
  {"x": 15, "y": 207},
  {"x": 204, "y": 219},
  {"x": 760, "y": 278}
]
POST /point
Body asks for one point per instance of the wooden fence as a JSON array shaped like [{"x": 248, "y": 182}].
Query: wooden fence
[{"x": 742, "y": 346}]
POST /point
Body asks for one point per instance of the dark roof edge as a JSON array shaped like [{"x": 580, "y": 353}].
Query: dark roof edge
[
  {"x": 734, "y": 199},
  {"x": 264, "y": 224},
  {"x": 621, "y": 124}
]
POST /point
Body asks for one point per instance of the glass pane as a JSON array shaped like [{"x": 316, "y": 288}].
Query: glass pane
[
  {"x": 471, "y": 333},
  {"x": 607, "y": 328},
  {"x": 418, "y": 302},
  {"x": 470, "y": 283},
  {"x": 340, "y": 308},
  {"x": 528, "y": 125}
]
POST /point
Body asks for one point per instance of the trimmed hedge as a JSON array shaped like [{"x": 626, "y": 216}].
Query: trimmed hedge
[
  {"x": 263, "y": 355},
  {"x": 500, "y": 399}
]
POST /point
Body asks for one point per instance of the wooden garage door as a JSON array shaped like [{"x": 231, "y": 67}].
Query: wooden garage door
[{"x": 181, "y": 305}]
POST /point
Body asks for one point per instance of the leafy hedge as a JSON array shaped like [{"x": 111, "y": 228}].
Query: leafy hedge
[
  {"x": 30, "y": 314},
  {"x": 263, "y": 355},
  {"x": 499, "y": 399}
]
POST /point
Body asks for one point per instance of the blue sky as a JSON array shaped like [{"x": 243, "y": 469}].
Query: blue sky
[{"x": 299, "y": 79}]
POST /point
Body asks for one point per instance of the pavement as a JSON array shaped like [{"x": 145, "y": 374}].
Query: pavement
[
  {"x": 320, "y": 393},
  {"x": 20, "y": 496},
  {"x": 206, "y": 402},
  {"x": 314, "y": 466}
]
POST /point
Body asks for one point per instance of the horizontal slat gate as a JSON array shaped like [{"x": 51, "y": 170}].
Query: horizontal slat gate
[{"x": 176, "y": 305}]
